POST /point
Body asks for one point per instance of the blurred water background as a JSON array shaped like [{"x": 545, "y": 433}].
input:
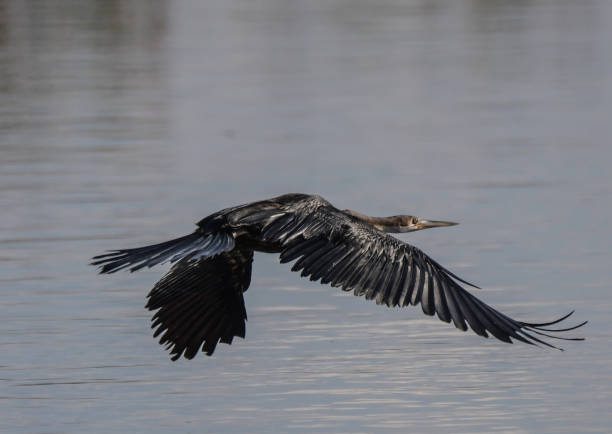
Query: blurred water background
[{"x": 122, "y": 123}]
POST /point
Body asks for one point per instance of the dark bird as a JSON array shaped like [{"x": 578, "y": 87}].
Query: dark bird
[{"x": 200, "y": 303}]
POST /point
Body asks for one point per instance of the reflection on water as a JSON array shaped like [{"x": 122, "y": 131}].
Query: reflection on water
[{"x": 123, "y": 122}]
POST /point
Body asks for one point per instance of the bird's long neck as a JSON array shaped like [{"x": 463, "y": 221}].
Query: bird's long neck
[{"x": 385, "y": 224}]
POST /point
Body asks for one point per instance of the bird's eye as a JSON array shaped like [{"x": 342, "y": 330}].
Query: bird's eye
[{"x": 415, "y": 220}]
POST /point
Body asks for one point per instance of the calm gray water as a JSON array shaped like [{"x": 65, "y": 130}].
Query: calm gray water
[{"x": 122, "y": 123}]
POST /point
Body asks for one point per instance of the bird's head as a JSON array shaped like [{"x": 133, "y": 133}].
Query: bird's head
[
  {"x": 409, "y": 223},
  {"x": 399, "y": 223}
]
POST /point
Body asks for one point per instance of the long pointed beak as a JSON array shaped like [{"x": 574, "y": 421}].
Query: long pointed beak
[{"x": 427, "y": 224}]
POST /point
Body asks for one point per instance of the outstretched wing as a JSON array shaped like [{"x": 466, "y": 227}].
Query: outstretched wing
[
  {"x": 201, "y": 304},
  {"x": 342, "y": 251},
  {"x": 194, "y": 246}
]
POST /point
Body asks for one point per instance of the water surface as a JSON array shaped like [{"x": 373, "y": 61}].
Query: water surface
[{"x": 122, "y": 124}]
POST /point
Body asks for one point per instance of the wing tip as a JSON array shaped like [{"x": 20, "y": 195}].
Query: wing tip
[{"x": 528, "y": 329}]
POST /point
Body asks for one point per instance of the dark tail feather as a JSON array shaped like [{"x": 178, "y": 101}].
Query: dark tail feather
[{"x": 195, "y": 244}]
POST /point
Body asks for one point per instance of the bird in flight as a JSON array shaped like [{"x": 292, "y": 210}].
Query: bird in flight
[{"x": 200, "y": 303}]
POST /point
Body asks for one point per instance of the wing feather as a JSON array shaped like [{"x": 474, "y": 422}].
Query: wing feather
[
  {"x": 370, "y": 274},
  {"x": 309, "y": 264},
  {"x": 453, "y": 305},
  {"x": 427, "y": 301},
  {"x": 319, "y": 267},
  {"x": 377, "y": 277},
  {"x": 339, "y": 276},
  {"x": 314, "y": 247},
  {"x": 408, "y": 282},
  {"x": 419, "y": 282},
  {"x": 193, "y": 246},
  {"x": 200, "y": 303},
  {"x": 388, "y": 295},
  {"x": 336, "y": 248},
  {"x": 471, "y": 318},
  {"x": 402, "y": 282},
  {"x": 441, "y": 306}
]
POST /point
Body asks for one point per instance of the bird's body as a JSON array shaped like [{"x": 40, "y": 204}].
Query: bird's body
[{"x": 199, "y": 302}]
